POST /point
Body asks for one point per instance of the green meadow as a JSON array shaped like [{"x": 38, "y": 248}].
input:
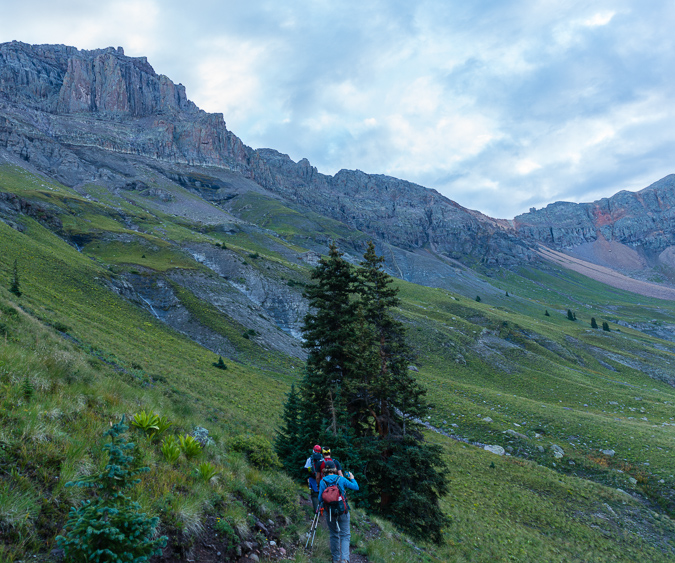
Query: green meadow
[{"x": 75, "y": 355}]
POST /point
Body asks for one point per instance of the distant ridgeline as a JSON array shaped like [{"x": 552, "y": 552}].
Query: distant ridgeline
[{"x": 73, "y": 114}]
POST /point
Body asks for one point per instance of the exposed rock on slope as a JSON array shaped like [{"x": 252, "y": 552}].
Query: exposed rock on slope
[
  {"x": 628, "y": 230},
  {"x": 58, "y": 103},
  {"x": 402, "y": 213},
  {"x": 100, "y": 116}
]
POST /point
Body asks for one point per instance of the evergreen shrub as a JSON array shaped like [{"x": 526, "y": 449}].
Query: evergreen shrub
[
  {"x": 110, "y": 529},
  {"x": 258, "y": 450}
]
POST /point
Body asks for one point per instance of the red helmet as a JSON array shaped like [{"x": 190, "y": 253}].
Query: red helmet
[{"x": 317, "y": 448}]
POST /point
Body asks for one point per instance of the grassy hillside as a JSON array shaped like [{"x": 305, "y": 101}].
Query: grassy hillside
[{"x": 80, "y": 348}]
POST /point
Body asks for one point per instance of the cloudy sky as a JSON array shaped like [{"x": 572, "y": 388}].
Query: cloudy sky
[{"x": 501, "y": 105}]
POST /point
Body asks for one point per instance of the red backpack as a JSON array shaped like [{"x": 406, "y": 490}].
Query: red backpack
[{"x": 334, "y": 499}]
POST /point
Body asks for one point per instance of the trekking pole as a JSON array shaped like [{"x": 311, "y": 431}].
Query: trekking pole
[
  {"x": 312, "y": 528},
  {"x": 315, "y": 527}
]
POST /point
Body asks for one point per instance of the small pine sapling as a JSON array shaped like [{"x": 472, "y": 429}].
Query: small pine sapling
[
  {"x": 27, "y": 389},
  {"x": 594, "y": 324},
  {"x": 110, "y": 527},
  {"x": 478, "y": 298},
  {"x": 14, "y": 286},
  {"x": 220, "y": 364},
  {"x": 546, "y": 313},
  {"x": 605, "y": 326}
]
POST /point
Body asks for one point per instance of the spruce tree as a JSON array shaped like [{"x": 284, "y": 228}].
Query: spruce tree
[
  {"x": 289, "y": 443},
  {"x": 359, "y": 397},
  {"x": 594, "y": 324},
  {"x": 329, "y": 332},
  {"x": 14, "y": 285},
  {"x": 404, "y": 484},
  {"x": 605, "y": 326},
  {"x": 393, "y": 395},
  {"x": 110, "y": 527}
]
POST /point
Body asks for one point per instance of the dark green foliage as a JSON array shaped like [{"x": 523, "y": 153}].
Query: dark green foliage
[
  {"x": 359, "y": 397},
  {"x": 220, "y": 364},
  {"x": 605, "y": 326},
  {"x": 571, "y": 316},
  {"x": 546, "y": 313},
  {"x": 27, "y": 389},
  {"x": 593, "y": 323},
  {"x": 254, "y": 255},
  {"x": 411, "y": 480},
  {"x": 14, "y": 286},
  {"x": 478, "y": 298},
  {"x": 61, "y": 327},
  {"x": 110, "y": 528},
  {"x": 329, "y": 338},
  {"x": 507, "y": 294},
  {"x": 289, "y": 443},
  {"x": 250, "y": 332},
  {"x": 258, "y": 450}
]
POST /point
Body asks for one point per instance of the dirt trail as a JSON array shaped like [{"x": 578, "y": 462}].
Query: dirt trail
[{"x": 353, "y": 556}]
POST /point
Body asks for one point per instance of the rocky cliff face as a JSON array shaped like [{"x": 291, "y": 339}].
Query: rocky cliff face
[
  {"x": 57, "y": 102},
  {"x": 399, "y": 212},
  {"x": 53, "y": 97},
  {"x": 63, "y": 110},
  {"x": 643, "y": 221}
]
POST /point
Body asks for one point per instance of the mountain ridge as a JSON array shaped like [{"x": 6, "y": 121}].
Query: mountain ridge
[{"x": 69, "y": 112}]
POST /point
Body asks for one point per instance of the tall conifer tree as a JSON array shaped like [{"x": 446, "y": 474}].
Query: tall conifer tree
[
  {"x": 289, "y": 441},
  {"x": 359, "y": 396},
  {"x": 405, "y": 474},
  {"x": 329, "y": 337}
]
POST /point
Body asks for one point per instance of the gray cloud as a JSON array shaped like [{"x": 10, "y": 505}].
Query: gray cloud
[{"x": 500, "y": 105}]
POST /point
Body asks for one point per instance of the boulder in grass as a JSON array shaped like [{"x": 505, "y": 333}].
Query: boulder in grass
[
  {"x": 515, "y": 434},
  {"x": 558, "y": 452},
  {"x": 494, "y": 449}
]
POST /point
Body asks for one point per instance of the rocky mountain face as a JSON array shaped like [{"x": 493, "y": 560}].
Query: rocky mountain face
[
  {"x": 399, "y": 212},
  {"x": 100, "y": 116},
  {"x": 637, "y": 227},
  {"x": 54, "y": 99},
  {"x": 58, "y": 103}
]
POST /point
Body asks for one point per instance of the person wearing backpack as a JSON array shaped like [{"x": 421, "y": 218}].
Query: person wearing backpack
[
  {"x": 313, "y": 466},
  {"x": 326, "y": 457},
  {"x": 334, "y": 501}
]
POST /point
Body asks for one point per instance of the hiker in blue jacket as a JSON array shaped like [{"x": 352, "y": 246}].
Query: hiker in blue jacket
[{"x": 337, "y": 514}]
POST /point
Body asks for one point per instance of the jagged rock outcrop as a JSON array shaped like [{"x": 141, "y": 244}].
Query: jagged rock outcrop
[
  {"x": 400, "y": 212},
  {"x": 644, "y": 221},
  {"x": 63, "y": 110},
  {"x": 58, "y": 104},
  {"x": 57, "y": 95}
]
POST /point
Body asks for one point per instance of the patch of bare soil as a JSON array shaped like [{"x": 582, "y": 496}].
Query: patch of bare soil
[{"x": 607, "y": 275}]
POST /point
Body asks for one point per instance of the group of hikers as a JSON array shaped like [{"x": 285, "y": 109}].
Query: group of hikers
[{"x": 327, "y": 486}]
